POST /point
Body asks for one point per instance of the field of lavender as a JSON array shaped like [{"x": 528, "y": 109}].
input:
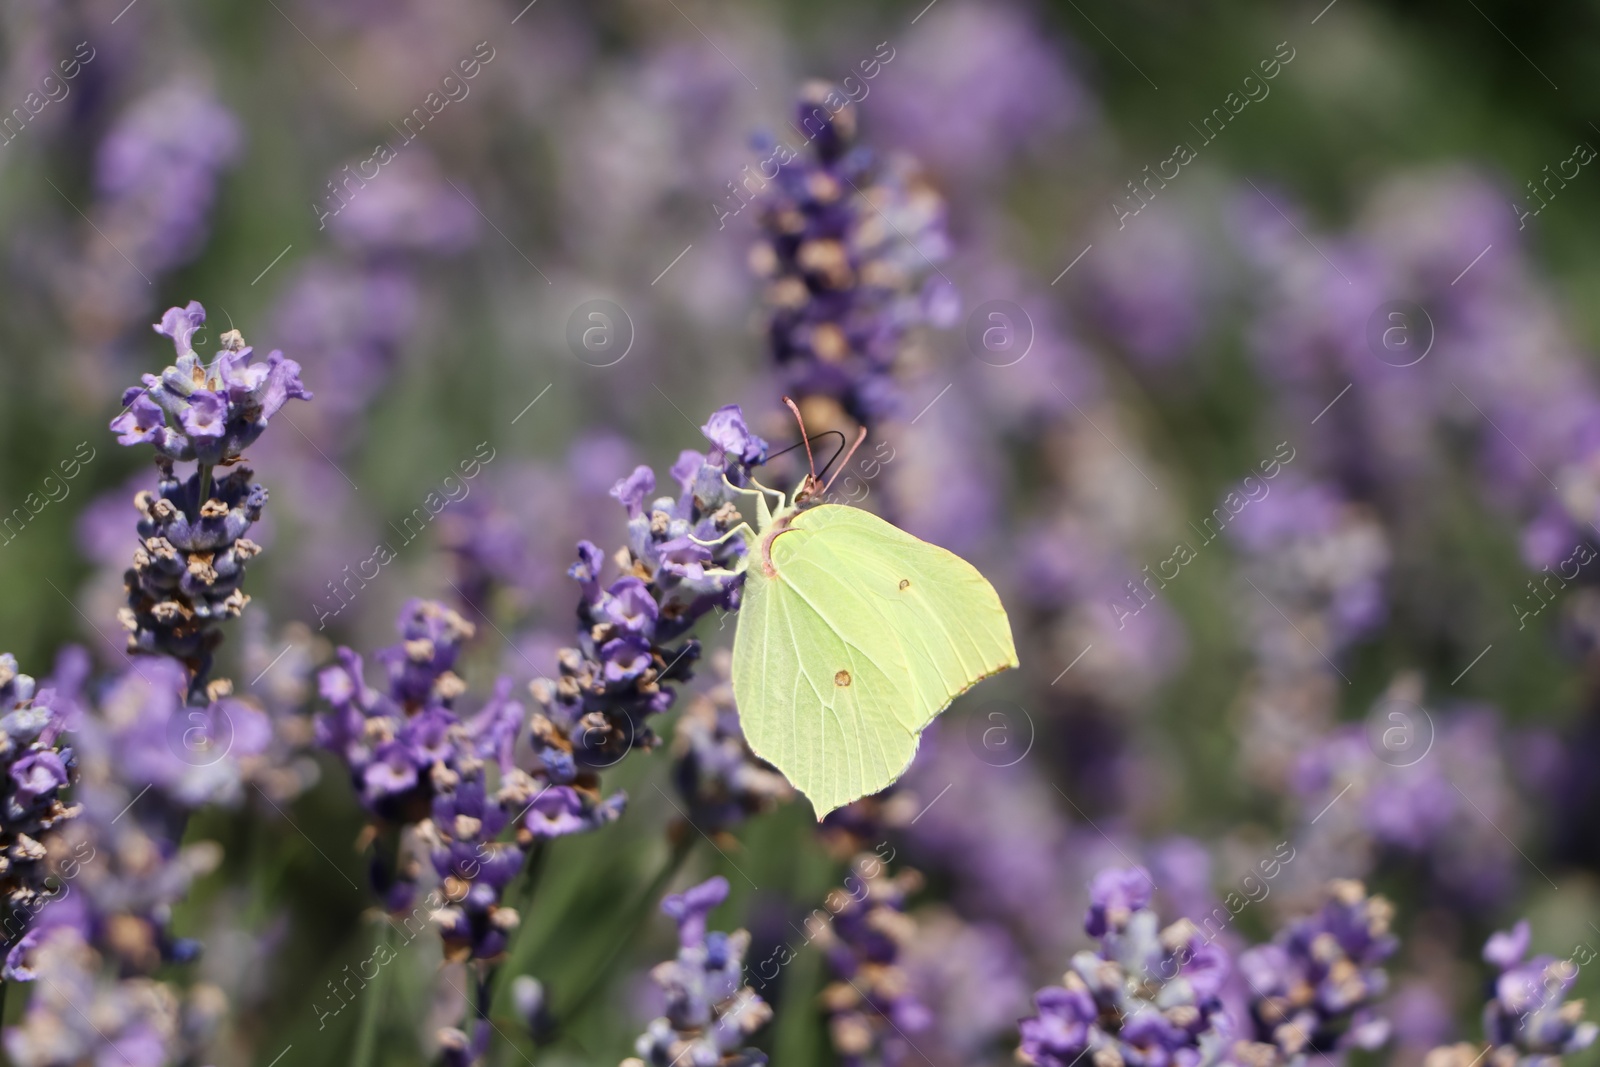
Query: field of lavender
[{"x": 385, "y": 711}]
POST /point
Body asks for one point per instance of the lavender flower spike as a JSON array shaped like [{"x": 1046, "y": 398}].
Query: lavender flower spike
[
  {"x": 220, "y": 408},
  {"x": 710, "y": 1012},
  {"x": 414, "y": 761},
  {"x": 1312, "y": 989},
  {"x": 35, "y": 765},
  {"x": 1149, "y": 997},
  {"x": 1528, "y": 1022},
  {"x": 847, "y": 244},
  {"x": 631, "y": 640},
  {"x": 721, "y": 781},
  {"x": 874, "y": 1016},
  {"x": 187, "y": 571}
]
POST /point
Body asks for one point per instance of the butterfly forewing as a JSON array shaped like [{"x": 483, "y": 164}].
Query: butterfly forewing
[
  {"x": 946, "y": 616},
  {"x": 863, "y": 636}
]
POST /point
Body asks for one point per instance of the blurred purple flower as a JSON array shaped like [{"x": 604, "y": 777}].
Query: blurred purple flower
[
  {"x": 1313, "y": 988},
  {"x": 1149, "y": 996},
  {"x": 1528, "y": 1022},
  {"x": 710, "y": 1012},
  {"x": 848, "y": 244},
  {"x": 979, "y": 86},
  {"x": 720, "y": 780}
]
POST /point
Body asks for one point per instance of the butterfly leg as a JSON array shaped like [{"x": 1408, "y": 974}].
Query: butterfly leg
[
  {"x": 763, "y": 511},
  {"x": 744, "y": 529},
  {"x": 759, "y": 490},
  {"x": 783, "y": 501}
]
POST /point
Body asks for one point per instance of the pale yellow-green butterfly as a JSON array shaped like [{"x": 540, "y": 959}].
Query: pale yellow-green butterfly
[{"x": 853, "y": 636}]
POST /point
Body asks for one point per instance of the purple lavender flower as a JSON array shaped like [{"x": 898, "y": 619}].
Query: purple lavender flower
[
  {"x": 163, "y": 740},
  {"x": 874, "y": 1015},
  {"x": 1114, "y": 895},
  {"x": 1528, "y": 1022},
  {"x": 1149, "y": 997},
  {"x": 710, "y": 1012},
  {"x": 721, "y": 781},
  {"x": 155, "y": 736},
  {"x": 612, "y": 682},
  {"x": 80, "y": 1013},
  {"x": 978, "y": 86},
  {"x": 155, "y": 177},
  {"x": 187, "y": 571},
  {"x": 848, "y": 244},
  {"x": 99, "y": 946},
  {"x": 157, "y": 170},
  {"x": 466, "y": 822},
  {"x": 407, "y": 207},
  {"x": 415, "y": 762},
  {"x": 1313, "y": 988},
  {"x": 220, "y": 408},
  {"x": 37, "y": 765},
  {"x": 390, "y": 739},
  {"x": 1061, "y": 1029}
]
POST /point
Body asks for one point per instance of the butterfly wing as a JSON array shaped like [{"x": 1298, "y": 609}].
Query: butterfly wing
[
  {"x": 864, "y": 635},
  {"x": 821, "y": 729}
]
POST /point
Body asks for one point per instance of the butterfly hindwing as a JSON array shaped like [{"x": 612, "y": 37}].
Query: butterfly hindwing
[
  {"x": 861, "y": 638},
  {"x": 818, "y": 726}
]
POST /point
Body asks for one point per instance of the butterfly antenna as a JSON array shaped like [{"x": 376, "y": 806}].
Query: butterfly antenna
[
  {"x": 843, "y": 443},
  {"x": 861, "y": 435},
  {"x": 814, "y": 437},
  {"x": 810, "y": 462}
]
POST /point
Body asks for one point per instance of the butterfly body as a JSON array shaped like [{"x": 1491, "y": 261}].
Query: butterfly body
[{"x": 853, "y": 636}]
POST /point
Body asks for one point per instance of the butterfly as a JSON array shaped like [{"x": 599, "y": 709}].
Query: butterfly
[{"x": 853, "y": 636}]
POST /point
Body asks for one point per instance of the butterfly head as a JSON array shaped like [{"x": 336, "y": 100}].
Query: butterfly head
[
  {"x": 809, "y": 490},
  {"x": 812, "y": 488}
]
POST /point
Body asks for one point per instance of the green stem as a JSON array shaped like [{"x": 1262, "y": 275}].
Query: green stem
[
  {"x": 372, "y": 1008},
  {"x": 522, "y": 900},
  {"x": 531, "y": 870},
  {"x": 638, "y": 916},
  {"x": 481, "y": 1003},
  {"x": 797, "y": 1032}
]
